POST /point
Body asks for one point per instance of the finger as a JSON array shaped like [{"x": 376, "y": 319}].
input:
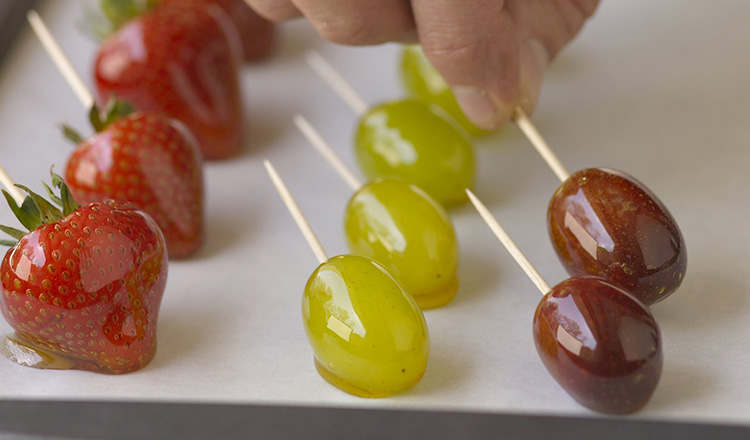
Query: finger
[
  {"x": 475, "y": 47},
  {"x": 534, "y": 58},
  {"x": 544, "y": 28},
  {"x": 360, "y": 22},
  {"x": 274, "y": 10}
]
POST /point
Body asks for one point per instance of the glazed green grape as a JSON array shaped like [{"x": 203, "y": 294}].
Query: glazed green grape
[
  {"x": 415, "y": 141},
  {"x": 369, "y": 337},
  {"x": 422, "y": 81},
  {"x": 399, "y": 226}
]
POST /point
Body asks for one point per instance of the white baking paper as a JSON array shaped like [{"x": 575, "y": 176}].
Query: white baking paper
[{"x": 658, "y": 89}]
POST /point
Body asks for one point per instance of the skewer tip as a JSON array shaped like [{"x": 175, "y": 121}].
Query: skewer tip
[
  {"x": 32, "y": 15},
  {"x": 11, "y": 187}
]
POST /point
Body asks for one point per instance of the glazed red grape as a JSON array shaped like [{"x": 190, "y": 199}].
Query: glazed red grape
[
  {"x": 605, "y": 223},
  {"x": 599, "y": 343}
]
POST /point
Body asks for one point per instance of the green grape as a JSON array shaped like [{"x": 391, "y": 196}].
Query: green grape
[
  {"x": 399, "y": 226},
  {"x": 414, "y": 140},
  {"x": 422, "y": 81},
  {"x": 369, "y": 337}
]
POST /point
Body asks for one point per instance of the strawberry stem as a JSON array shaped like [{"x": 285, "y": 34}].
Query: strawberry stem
[{"x": 115, "y": 110}]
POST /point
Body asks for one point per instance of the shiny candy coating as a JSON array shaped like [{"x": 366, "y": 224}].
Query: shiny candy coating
[
  {"x": 180, "y": 59},
  {"x": 151, "y": 161},
  {"x": 368, "y": 335},
  {"x": 85, "y": 292},
  {"x": 600, "y": 344},
  {"x": 606, "y": 223},
  {"x": 423, "y": 81},
  {"x": 401, "y": 227},
  {"x": 413, "y": 140}
]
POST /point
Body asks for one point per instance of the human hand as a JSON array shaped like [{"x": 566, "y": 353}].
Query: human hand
[{"x": 492, "y": 53}]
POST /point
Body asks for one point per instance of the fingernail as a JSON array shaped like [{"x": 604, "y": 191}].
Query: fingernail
[{"x": 476, "y": 105}]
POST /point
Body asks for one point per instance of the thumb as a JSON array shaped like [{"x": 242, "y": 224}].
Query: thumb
[
  {"x": 474, "y": 46},
  {"x": 534, "y": 59}
]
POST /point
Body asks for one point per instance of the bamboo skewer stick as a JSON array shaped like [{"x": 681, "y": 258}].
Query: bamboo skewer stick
[
  {"x": 325, "y": 150},
  {"x": 536, "y": 139},
  {"x": 509, "y": 244},
  {"x": 296, "y": 212},
  {"x": 10, "y": 185},
  {"x": 336, "y": 81},
  {"x": 61, "y": 61}
]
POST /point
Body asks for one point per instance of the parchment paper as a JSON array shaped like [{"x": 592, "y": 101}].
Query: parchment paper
[{"x": 657, "y": 89}]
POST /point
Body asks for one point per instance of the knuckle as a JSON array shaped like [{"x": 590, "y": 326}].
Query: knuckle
[
  {"x": 353, "y": 31},
  {"x": 274, "y": 10},
  {"x": 449, "y": 52}
]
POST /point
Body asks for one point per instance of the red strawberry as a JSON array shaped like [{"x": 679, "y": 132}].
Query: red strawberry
[
  {"x": 181, "y": 59},
  {"x": 83, "y": 288},
  {"x": 147, "y": 159},
  {"x": 258, "y": 35}
]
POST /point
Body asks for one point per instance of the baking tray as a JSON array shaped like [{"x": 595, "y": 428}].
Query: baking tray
[{"x": 657, "y": 90}]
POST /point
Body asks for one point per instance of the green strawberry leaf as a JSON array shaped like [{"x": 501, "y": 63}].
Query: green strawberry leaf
[
  {"x": 67, "y": 201},
  {"x": 9, "y": 243},
  {"x": 95, "y": 116},
  {"x": 94, "y": 25},
  {"x": 119, "y": 12},
  {"x": 48, "y": 212},
  {"x": 52, "y": 196},
  {"x": 72, "y": 135},
  {"x": 57, "y": 180},
  {"x": 101, "y": 22},
  {"x": 117, "y": 109},
  {"x": 36, "y": 211},
  {"x": 13, "y": 232},
  {"x": 28, "y": 214}
]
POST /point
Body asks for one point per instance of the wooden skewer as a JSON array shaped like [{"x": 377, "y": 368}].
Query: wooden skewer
[
  {"x": 10, "y": 185},
  {"x": 509, "y": 244},
  {"x": 296, "y": 213},
  {"x": 336, "y": 81},
  {"x": 325, "y": 150},
  {"x": 536, "y": 139},
  {"x": 61, "y": 61}
]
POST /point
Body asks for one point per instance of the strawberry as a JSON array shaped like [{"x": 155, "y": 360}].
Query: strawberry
[
  {"x": 258, "y": 35},
  {"x": 149, "y": 160},
  {"x": 83, "y": 288},
  {"x": 180, "y": 58}
]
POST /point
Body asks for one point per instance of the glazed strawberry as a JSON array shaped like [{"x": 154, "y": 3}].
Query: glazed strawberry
[
  {"x": 258, "y": 35},
  {"x": 83, "y": 288},
  {"x": 181, "y": 58},
  {"x": 149, "y": 160}
]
